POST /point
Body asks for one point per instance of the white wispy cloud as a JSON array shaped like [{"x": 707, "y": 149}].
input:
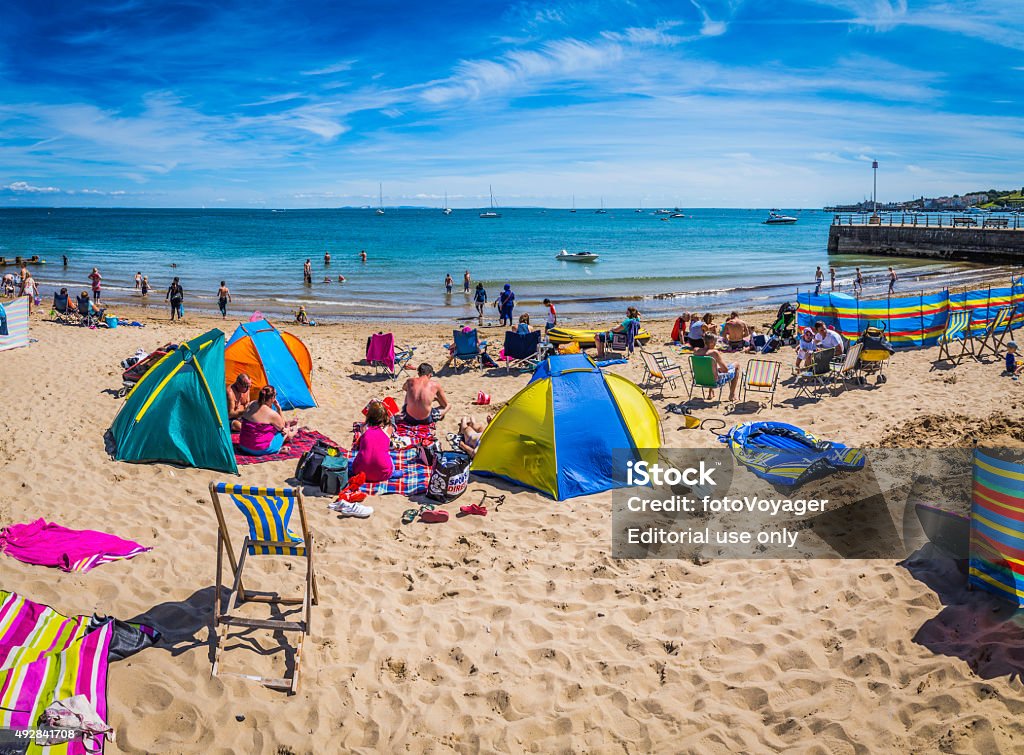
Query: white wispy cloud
[
  {"x": 520, "y": 70},
  {"x": 340, "y": 67},
  {"x": 24, "y": 187},
  {"x": 709, "y": 26},
  {"x": 274, "y": 99}
]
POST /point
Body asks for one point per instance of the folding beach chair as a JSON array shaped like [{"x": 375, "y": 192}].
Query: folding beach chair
[
  {"x": 63, "y": 311},
  {"x": 383, "y": 356},
  {"x": 625, "y": 341},
  {"x": 86, "y": 312},
  {"x": 268, "y": 511},
  {"x": 818, "y": 376},
  {"x": 996, "y": 332},
  {"x": 658, "y": 370},
  {"x": 957, "y": 329},
  {"x": 467, "y": 350},
  {"x": 844, "y": 370},
  {"x": 760, "y": 376},
  {"x": 703, "y": 373},
  {"x": 522, "y": 350}
]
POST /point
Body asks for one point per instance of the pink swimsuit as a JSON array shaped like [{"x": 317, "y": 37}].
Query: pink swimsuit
[{"x": 255, "y": 435}]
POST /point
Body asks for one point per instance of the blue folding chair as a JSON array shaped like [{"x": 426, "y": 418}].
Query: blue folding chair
[{"x": 467, "y": 350}]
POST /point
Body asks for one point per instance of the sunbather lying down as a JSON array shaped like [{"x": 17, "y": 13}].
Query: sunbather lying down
[
  {"x": 469, "y": 433},
  {"x": 264, "y": 431}
]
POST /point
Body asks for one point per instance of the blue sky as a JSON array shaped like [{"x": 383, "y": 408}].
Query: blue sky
[{"x": 719, "y": 103}]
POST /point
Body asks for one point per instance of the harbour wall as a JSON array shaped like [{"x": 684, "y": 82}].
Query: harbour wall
[{"x": 972, "y": 244}]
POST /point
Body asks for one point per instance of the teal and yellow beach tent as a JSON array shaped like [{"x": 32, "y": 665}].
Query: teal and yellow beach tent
[
  {"x": 271, "y": 357},
  {"x": 559, "y": 433},
  {"x": 178, "y": 411}
]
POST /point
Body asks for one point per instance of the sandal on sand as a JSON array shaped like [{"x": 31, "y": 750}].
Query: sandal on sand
[
  {"x": 410, "y": 514},
  {"x": 474, "y": 508},
  {"x": 431, "y": 516}
]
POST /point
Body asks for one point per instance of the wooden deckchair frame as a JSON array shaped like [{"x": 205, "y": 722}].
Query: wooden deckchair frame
[
  {"x": 950, "y": 336},
  {"x": 992, "y": 339},
  {"x": 224, "y": 620},
  {"x": 659, "y": 370}
]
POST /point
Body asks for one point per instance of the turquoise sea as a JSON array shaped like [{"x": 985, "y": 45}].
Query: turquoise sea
[{"x": 711, "y": 259}]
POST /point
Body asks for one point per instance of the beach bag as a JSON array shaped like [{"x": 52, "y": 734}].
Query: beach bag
[
  {"x": 449, "y": 476},
  {"x": 309, "y": 469},
  {"x": 333, "y": 481},
  {"x": 773, "y": 344}
]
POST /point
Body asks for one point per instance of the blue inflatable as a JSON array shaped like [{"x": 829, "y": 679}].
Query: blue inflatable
[{"x": 787, "y": 455}]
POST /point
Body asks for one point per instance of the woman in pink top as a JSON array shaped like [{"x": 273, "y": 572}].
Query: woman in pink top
[
  {"x": 264, "y": 430},
  {"x": 95, "y": 277},
  {"x": 373, "y": 454}
]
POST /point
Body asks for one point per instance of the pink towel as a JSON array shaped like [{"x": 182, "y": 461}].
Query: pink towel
[
  {"x": 47, "y": 544},
  {"x": 382, "y": 349}
]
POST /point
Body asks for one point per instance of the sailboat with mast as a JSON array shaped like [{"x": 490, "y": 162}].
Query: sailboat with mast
[
  {"x": 492, "y": 213},
  {"x": 573, "y": 203},
  {"x": 380, "y": 199},
  {"x": 602, "y": 211},
  {"x": 447, "y": 210}
]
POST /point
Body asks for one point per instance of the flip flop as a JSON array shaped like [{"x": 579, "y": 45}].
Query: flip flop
[
  {"x": 431, "y": 516},
  {"x": 474, "y": 508}
]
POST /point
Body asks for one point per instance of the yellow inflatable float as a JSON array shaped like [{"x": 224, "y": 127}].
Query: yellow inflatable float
[{"x": 585, "y": 338}]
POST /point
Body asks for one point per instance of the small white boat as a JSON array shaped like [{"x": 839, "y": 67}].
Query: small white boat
[
  {"x": 776, "y": 218},
  {"x": 490, "y": 213},
  {"x": 677, "y": 215},
  {"x": 447, "y": 210},
  {"x": 566, "y": 256},
  {"x": 602, "y": 211},
  {"x": 380, "y": 199},
  {"x": 663, "y": 212}
]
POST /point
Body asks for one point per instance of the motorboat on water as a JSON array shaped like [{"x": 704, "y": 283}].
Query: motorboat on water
[
  {"x": 663, "y": 212},
  {"x": 677, "y": 215},
  {"x": 777, "y": 218},
  {"x": 566, "y": 256},
  {"x": 492, "y": 213}
]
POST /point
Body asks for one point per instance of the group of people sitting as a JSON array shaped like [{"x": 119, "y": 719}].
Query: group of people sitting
[
  {"x": 734, "y": 334},
  {"x": 811, "y": 341}
]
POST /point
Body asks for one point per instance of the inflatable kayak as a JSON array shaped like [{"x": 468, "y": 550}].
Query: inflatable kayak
[
  {"x": 585, "y": 338},
  {"x": 787, "y": 455}
]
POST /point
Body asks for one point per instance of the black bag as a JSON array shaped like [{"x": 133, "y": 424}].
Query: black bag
[
  {"x": 449, "y": 476},
  {"x": 331, "y": 483},
  {"x": 308, "y": 471}
]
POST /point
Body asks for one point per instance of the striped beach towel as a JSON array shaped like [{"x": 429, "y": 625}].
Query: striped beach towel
[
  {"x": 412, "y": 475},
  {"x": 47, "y": 544},
  {"x": 44, "y": 657}
]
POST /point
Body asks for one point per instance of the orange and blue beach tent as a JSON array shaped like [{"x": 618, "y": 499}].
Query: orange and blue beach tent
[
  {"x": 178, "y": 411},
  {"x": 911, "y": 321},
  {"x": 997, "y": 525},
  {"x": 271, "y": 357},
  {"x": 565, "y": 433}
]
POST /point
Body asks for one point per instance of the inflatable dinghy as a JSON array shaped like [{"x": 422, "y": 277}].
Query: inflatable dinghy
[
  {"x": 585, "y": 338},
  {"x": 787, "y": 455}
]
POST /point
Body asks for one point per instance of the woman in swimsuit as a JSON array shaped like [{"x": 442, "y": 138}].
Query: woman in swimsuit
[{"x": 264, "y": 431}]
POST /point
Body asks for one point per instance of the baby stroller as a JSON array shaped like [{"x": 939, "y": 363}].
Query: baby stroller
[
  {"x": 875, "y": 352},
  {"x": 783, "y": 326},
  {"x": 135, "y": 367}
]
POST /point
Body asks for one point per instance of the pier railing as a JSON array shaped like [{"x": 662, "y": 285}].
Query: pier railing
[{"x": 1010, "y": 222}]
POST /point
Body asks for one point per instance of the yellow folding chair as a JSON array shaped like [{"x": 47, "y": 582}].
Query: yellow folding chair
[{"x": 268, "y": 511}]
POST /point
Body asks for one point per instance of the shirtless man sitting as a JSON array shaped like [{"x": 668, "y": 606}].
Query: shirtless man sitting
[
  {"x": 736, "y": 331},
  {"x": 238, "y": 400},
  {"x": 420, "y": 394},
  {"x": 727, "y": 373}
]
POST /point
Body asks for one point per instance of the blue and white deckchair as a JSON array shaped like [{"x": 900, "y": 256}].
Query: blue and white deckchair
[
  {"x": 957, "y": 329},
  {"x": 268, "y": 512}
]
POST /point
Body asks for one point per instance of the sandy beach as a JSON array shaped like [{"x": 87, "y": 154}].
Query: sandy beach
[{"x": 516, "y": 632}]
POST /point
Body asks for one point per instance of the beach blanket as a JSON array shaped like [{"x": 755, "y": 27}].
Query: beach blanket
[
  {"x": 293, "y": 449},
  {"x": 44, "y": 657},
  {"x": 412, "y": 475},
  {"x": 47, "y": 544}
]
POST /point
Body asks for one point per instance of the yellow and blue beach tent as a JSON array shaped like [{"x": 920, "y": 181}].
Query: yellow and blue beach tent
[
  {"x": 560, "y": 433},
  {"x": 271, "y": 357},
  {"x": 178, "y": 411}
]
